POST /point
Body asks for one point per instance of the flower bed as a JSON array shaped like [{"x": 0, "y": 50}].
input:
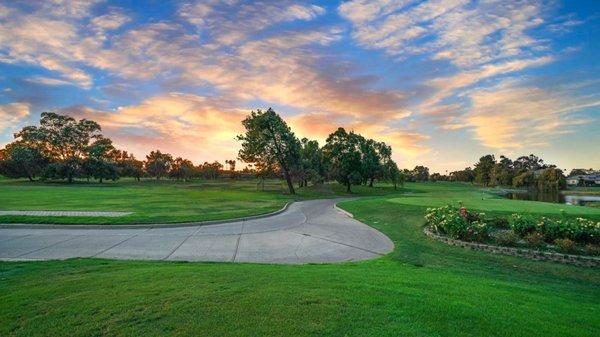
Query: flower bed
[{"x": 571, "y": 236}]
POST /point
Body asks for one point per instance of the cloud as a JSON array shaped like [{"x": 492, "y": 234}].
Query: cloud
[
  {"x": 12, "y": 114},
  {"x": 47, "y": 81},
  {"x": 230, "y": 22},
  {"x": 510, "y": 116},
  {"x": 455, "y": 30},
  {"x": 405, "y": 142},
  {"x": 200, "y": 128}
]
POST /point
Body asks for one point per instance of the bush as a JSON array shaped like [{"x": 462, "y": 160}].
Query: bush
[
  {"x": 565, "y": 245},
  {"x": 593, "y": 250},
  {"x": 507, "y": 238},
  {"x": 521, "y": 225},
  {"x": 534, "y": 239},
  {"x": 499, "y": 222},
  {"x": 448, "y": 220}
]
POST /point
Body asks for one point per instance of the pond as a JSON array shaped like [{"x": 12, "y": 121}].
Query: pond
[{"x": 552, "y": 196}]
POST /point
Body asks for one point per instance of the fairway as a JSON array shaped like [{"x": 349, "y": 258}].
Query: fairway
[
  {"x": 422, "y": 288},
  {"x": 150, "y": 201}
]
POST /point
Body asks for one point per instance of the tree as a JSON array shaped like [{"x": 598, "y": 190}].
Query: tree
[
  {"x": 311, "y": 166},
  {"x": 18, "y": 160},
  {"x": 182, "y": 169},
  {"x": 100, "y": 160},
  {"x": 483, "y": 169},
  {"x": 231, "y": 163},
  {"x": 465, "y": 175},
  {"x": 343, "y": 151},
  {"x": 393, "y": 174},
  {"x": 158, "y": 164},
  {"x": 551, "y": 179},
  {"x": 529, "y": 163},
  {"x": 420, "y": 173},
  {"x": 128, "y": 166},
  {"x": 63, "y": 140},
  {"x": 269, "y": 141},
  {"x": 525, "y": 179}
]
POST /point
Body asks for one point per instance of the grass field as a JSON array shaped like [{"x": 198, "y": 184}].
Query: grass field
[
  {"x": 423, "y": 288},
  {"x": 151, "y": 201}
]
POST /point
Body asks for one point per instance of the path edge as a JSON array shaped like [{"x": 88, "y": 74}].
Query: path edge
[{"x": 138, "y": 226}]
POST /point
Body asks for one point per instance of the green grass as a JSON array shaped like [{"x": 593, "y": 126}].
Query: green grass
[
  {"x": 423, "y": 288},
  {"x": 154, "y": 201},
  {"x": 151, "y": 201}
]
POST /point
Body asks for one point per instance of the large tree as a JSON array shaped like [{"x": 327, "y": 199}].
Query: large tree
[
  {"x": 158, "y": 164},
  {"x": 311, "y": 166},
  {"x": 483, "y": 169},
  {"x": 21, "y": 161},
  {"x": 343, "y": 152},
  {"x": 100, "y": 162},
  {"x": 61, "y": 139},
  {"x": 269, "y": 141}
]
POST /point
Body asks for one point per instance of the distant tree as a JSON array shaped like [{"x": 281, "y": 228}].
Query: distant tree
[
  {"x": 483, "y": 169},
  {"x": 393, "y": 174},
  {"x": 211, "y": 170},
  {"x": 420, "y": 173},
  {"x": 579, "y": 172},
  {"x": 63, "y": 140},
  {"x": 182, "y": 169},
  {"x": 158, "y": 164},
  {"x": 551, "y": 179},
  {"x": 370, "y": 160},
  {"x": 269, "y": 141},
  {"x": 525, "y": 179},
  {"x": 528, "y": 163},
  {"x": 312, "y": 166},
  {"x": 99, "y": 162},
  {"x": 466, "y": 175},
  {"x": 21, "y": 161},
  {"x": 128, "y": 166},
  {"x": 231, "y": 163},
  {"x": 343, "y": 150}
]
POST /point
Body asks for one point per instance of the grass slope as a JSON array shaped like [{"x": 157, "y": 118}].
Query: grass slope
[
  {"x": 423, "y": 288},
  {"x": 151, "y": 201}
]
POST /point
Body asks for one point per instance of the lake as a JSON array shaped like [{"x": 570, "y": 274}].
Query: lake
[{"x": 554, "y": 197}]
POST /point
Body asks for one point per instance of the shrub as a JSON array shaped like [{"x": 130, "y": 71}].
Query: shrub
[
  {"x": 534, "y": 239},
  {"x": 507, "y": 238},
  {"x": 500, "y": 222},
  {"x": 565, "y": 245},
  {"x": 593, "y": 250},
  {"x": 521, "y": 225},
  {"x": 448, "y": 220}
]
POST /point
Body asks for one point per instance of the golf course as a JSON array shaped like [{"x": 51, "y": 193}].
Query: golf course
[{"x": 422, "y": 288}]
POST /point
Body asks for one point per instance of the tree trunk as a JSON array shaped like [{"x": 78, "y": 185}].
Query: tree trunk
[
  {"x": 371, "y": 182},
  {"x": 30, "y": 178},
  {"x": 288, "y": 179},
  {"x": 348, "y": 188},
  {"x": 100, "y": 180},
  {"x": 70, "y": 178}
]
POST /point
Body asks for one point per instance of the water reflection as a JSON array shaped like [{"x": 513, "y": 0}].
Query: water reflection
[{"x": 552, "y": 196}]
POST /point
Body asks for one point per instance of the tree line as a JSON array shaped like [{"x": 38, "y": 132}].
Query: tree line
[
  {"x": 64, "y": 148},
  {"x": 525, "y": 171}
]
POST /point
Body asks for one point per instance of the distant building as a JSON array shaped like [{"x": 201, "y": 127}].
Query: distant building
[{"x": 591, "y": 179}]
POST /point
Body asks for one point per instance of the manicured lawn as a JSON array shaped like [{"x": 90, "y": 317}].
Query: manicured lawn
[
  {"x": 151, "y": 201},
  {"x": 423, "y": 288},
  {"x": 156, "y": 201}
]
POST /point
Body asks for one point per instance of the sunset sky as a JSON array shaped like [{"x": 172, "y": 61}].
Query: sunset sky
[{"x": 443, "y": 82}]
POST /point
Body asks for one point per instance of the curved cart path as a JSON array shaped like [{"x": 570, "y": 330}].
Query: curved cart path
[{"x": 308, "y": 231}]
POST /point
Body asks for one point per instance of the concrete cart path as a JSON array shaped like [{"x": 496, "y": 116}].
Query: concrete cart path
[{"x": 308, "y": 231}]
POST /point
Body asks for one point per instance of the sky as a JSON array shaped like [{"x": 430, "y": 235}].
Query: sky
[{"x": 442, "y": 82}]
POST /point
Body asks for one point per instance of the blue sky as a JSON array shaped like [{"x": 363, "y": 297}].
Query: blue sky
[{"x": 443, "y": 82}]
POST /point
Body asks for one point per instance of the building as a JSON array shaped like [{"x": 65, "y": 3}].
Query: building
[{"x": 592, "y": 179}]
